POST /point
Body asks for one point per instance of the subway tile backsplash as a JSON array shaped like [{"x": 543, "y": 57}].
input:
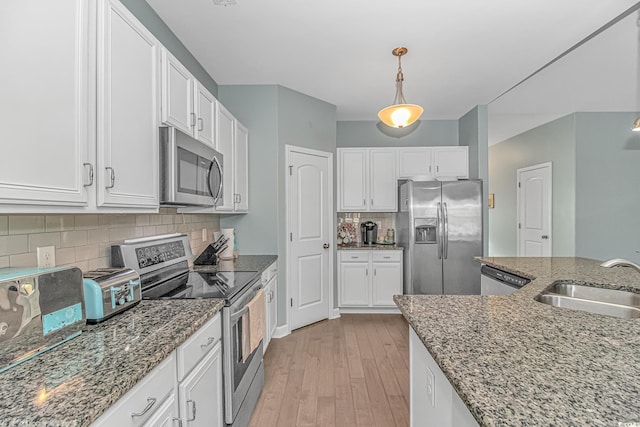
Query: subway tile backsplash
[
  {"x": 384, "y": 220},
  {"x": 85, "y": 240}
]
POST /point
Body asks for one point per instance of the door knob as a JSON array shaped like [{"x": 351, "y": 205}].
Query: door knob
[
  {"x": 545, "y": 237},
  {"x": 326, "y": 246}
]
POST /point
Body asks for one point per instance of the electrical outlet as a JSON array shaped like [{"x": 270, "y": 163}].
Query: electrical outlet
[
  {"x": 46, "y": 256},
  {"x": 204, "y": 234}
]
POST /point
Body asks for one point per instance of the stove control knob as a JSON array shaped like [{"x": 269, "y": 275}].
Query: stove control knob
[
  {"x": 129, "y": 298},
  {"x": 121, "y": 301}
]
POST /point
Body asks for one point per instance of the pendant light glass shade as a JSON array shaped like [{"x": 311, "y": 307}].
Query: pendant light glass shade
[
  {"x": 636, "y": 125},
  {"x": 400, "y": 114}
]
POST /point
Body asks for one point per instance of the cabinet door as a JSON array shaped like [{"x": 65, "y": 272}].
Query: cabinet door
[
  {"x": 415, "y": 163},
  {"x": 44, "y": 109},
  {"x": 177, "y": 94},
  {"x": 200, "y": 394},
  {"x": 206, "y": 115},
  {"x": 452, "y": 162},
  {"x": 241, "y": 168},
  {"x": 383, "y": 188},
  {"x": 128, "y": 82},
  {"x": 354, "y": 284},
  {"x": 225, "y": 141},
  {"x": 385, "y": 283},
  {"x": 166, "y": 415},
  {"x": 352, "y": 180}
]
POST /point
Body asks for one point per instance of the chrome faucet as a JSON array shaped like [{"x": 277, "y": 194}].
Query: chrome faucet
[{"x": 619, "y": 261}]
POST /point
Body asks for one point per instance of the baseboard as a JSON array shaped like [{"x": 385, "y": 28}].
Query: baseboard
[
  {"x": 281, "y": 331},
  {"x": 335, "y": 314},
  {"x": 369, "y": 310}
]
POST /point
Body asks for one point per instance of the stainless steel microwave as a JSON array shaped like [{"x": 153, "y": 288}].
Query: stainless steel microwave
[{"x": 191, "y": 171}]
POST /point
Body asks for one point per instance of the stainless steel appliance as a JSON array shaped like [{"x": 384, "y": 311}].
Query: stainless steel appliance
[
  {"x": 109, "y": 291},
  {"x": 369, "y": 231},
  {"x": 440, "y": 226},
  {"x": 39, "y": 309},
  {"x": 191, "y": 171},
  {"x": 499, "y": 282},
  {"x": 162, "y": 263}
]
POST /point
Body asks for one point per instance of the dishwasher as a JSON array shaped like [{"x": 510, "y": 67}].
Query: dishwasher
[{"x": 498, "y": 282}]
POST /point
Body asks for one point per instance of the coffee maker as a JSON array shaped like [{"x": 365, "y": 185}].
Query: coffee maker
[{"x": 369, "y": 232}]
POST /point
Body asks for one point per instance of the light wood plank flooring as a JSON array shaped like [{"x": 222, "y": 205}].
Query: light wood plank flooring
[{"x": 351, "y": 371}]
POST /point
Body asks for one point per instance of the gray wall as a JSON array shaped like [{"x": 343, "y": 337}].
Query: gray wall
[
  {"x": 607, "y": 180},
  {"x": 374, "y": 134},
  {"x": 255, "y": 107},
  {"x": 159, "y": 29},
  {"x": 552, "y": 142},
  {"x": 473, "y": 132}
]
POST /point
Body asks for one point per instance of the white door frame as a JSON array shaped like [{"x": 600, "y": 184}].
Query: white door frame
[
  {"x": 526, "y": 169},
  {"x": 332, "y": 221}
]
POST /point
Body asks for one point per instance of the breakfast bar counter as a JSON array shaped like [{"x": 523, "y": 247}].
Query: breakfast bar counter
[{"x": 517, "y": 362}]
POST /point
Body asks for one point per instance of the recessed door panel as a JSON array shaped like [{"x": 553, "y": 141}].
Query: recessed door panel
[
  {"x": 310, "y": 205},
  {"x": 310, "y": 277}
]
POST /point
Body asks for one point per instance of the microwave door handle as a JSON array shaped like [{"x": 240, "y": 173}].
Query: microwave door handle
[{"x": 217, "y": 194}]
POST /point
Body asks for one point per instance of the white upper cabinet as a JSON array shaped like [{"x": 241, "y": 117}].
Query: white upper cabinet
[
  {"x": 186, "y": 104},
  {"x": 177, "y": 94},
  {"x": 241, "y": 168},
  {"x": 451, "y": 162},
  {"x": 367, "y": 180},
  {"x": 44, "y": 106},
  {"x": 426, "y": 163},
  {"x": 127, "y": 119},
  {"x": 225, "y": 128},
  {"x": 352, "y": 179}
]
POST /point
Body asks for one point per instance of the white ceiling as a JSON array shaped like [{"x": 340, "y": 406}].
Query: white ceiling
[{"x": 461, "y": 52}]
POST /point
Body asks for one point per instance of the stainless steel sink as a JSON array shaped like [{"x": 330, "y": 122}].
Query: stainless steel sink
[{"x": 609, "y": 302}]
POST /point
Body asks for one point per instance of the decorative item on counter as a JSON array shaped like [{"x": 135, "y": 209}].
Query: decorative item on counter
[
  {"x": 391, "y": 235},
  {"x": 347, "y": 233},
  {"x": 236, "y": 253}
]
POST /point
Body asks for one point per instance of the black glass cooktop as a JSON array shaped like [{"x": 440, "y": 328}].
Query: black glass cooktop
[{"x": 199, "y": 284}]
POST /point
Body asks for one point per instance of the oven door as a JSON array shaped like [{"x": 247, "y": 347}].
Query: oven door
[{"x": 239, "y": 372}]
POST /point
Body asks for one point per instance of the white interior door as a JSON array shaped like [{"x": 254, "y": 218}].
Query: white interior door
[
  {"x": 310, "y": 234},
  {"x": 534, "y": 210}
]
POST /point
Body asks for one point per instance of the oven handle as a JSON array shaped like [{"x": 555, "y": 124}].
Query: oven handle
[{"x": 238, "y": 314}]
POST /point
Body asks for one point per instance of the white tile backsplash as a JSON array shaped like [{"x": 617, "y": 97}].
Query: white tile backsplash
[{"x": 85, "y": 240}]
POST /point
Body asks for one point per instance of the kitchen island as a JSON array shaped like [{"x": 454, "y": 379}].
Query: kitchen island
[{"x": 514, "y": 361}]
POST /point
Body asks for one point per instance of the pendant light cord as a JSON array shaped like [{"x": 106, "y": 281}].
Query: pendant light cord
[{"x": 399, "y": 98}]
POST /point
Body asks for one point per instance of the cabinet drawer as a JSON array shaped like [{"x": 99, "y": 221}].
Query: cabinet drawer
[
  {"x": 147, "y": 395},
  {"x": 386, "y": 256},
  {"x": 348, "y": 255},
  {"x": 198, "y": 345}
]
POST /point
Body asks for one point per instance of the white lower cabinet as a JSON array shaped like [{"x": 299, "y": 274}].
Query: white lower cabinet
[
  {"x": 184, "y": 390},
  {"x": 369, "y": 278},
  {"x": 200, "y": 394},
  {"x": 270, "y": 281},
  {"x": 433, "y": 399}
]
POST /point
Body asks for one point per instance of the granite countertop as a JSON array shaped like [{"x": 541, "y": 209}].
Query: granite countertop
[
  {"x": 242, "y": 263},
  {"x": 363, "y": 247},
  {"x": 74, "y": 383},
  {"x": 516, "y": 362}
]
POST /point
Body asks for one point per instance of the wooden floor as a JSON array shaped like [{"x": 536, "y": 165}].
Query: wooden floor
[{"x": 351, "y": 371}]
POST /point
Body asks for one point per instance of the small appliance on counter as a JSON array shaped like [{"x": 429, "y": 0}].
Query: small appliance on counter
[
  {"x": 39, "y": 309},
  {"x": 109, "y": 291},
  {"x": 369, "y": 231}
]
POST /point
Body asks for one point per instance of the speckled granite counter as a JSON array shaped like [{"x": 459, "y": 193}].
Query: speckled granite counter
[
  {"x": 518, "y": 362},
  {"x": 361, "y": 247},
  {"x": 73, "y": 384},
  {"x": 242, "y": 263}
]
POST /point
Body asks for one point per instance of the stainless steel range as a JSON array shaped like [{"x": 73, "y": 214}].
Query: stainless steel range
[{"x": 162, "y": 263}]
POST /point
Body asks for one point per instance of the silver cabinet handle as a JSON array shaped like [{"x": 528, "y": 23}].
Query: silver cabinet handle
[
  {"x": 150, "y": 402},
  {"x": 193, "y": 410},
  {"x": 112, "y": 176},
  {"x": 371, "y": 202},
  {"x": 437, "y": 168},
  {"x": 386, "y": 257},
  {"x": 90, "y": 174},
  {"x": 545, "y": 237},
  {"x": 193, "y": 119},
  {"x": 429, "y": 168},
  {"x": 209, "y": 342},
  {"x": 178, "y": 420},
  {"x": 200, "y": 124},
  {"x": 375, "y": 273},
  {"x": 366, "y": 270}
]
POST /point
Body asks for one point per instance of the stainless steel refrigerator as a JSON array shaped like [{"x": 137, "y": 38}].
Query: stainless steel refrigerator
[{"x": 439, "y": 223}]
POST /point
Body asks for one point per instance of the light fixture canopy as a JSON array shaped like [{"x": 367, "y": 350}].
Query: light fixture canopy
[
  {"x": 636, "y": 125},
  {"x": 400, "y": 114}
]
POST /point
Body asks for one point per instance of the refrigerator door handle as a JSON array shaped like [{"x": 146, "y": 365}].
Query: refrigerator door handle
[
  {"x": 446, "y": 230},
  {"x": 438, "y": 228}
]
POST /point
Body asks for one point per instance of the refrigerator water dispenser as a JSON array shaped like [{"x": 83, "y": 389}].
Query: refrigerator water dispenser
[{"x": 426, "y": 230}]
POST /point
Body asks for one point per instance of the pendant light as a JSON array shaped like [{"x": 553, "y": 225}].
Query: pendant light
[{"x": 400, "y": 114}]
